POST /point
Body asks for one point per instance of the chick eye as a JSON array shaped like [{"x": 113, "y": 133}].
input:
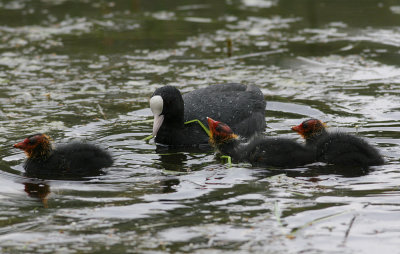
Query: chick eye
[
  {"x": 31, "y": 141},
  {"x": 218, "y": 128},
  {"x": 305, "y": 125}
]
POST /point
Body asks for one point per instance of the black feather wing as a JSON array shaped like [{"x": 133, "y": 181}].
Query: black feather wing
[
  {"x": 279, "y": 152},
  {"x": 348, "y": 150},
  {"x": 241, "y": 107},
  {"x": 70, "y": 160}
]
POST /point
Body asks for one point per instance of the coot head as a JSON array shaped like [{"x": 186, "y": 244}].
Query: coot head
[
  {"x": 219, "y": 132},
  {"x": 166, "y": 103},
  {"x": 36, "y": 146},
  {"x": 309, "y": 128}
]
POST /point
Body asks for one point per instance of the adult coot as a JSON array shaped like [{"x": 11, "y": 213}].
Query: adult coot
[
  {"x": 337, "y": 148},
  {"x": 259, "y": 150},
  {"x": 68, "y": 160},
  {"x": 240, "y": 106}
]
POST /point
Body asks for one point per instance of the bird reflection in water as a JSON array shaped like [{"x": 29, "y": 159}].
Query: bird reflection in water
[
  {"x": 175, "y": 158},
  {"x": 168, "y": 185},
  {"x": 173, "y": 162},
  {"x": 38, "y": 190}
]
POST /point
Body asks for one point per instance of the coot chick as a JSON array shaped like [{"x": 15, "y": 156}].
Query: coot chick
[
  {"x": 240, "y": 106},
  {"x": 337, "y": 148},
  {"x": 71, "y": 160},
  {"x": 259, "y": 150}
]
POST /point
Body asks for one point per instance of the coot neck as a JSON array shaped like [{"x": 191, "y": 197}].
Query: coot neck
[
  {"x": 172, "y": 130},
  {"x": 173, "y": 108},
  {"x": 312, "y": 138},
  {"x": 174, "y": 120},
  {"x": 231, "y": 148},
  {"x": 41, "y": 152}
]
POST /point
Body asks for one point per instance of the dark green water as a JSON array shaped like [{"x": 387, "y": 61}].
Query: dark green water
[{"x": 85, "y": 70}]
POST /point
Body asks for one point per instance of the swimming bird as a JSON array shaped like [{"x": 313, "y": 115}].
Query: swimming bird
[
  {"x": 68, "y": 160},
  {"x": 337, "y": 148},
  {"x": 259, "y": 150},
  {"x": 240, "y": 106}
]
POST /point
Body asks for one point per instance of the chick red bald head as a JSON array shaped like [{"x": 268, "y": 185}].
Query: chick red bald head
[
  {"x": 220, "y": 132},
  {"x": 309, "y": 128},
  {"x": 35, "y": 145}
]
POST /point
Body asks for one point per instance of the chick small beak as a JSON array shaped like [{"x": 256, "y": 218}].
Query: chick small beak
[
  {"x": 212, "y": 124},
  {"x": 20, "y": 145},
  {"x": 297, "y": 128}
]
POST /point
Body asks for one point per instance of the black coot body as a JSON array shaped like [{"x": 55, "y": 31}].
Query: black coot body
[
  {"x": 65, "y": 161},
  {"x": 259, "y": 150},
  {"x": 241, "y": 106},
  {"x": 338, "y": 148}
]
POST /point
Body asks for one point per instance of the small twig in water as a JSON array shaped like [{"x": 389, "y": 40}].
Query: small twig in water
[
  {"x": 308, "y": 224},
  {"x": 346, "y": 235},
  {"x": 277, "y": 213},
  {"x": 229, "y": 47},
  {"x": 101, "y": 111}
]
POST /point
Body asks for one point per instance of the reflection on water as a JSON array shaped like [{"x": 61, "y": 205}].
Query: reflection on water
[
  {"x": 169, "y": 185},
  {"x": 86, "y": 70},
  {"x": 173, "y": 162},
  {"x": 38, "y": 190}
]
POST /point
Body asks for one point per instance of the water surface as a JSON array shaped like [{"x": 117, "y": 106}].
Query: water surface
[{"x": 84, "y": 70}]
